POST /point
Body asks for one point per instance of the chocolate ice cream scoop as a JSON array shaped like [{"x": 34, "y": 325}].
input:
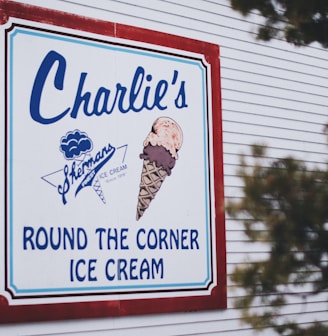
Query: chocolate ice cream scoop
[{"x": 160, "y": 155}]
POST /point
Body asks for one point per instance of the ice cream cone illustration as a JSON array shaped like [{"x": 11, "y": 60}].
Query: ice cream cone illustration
[
  {"x": 97, "y": 188},
  {"x": 159, "y": 154}
]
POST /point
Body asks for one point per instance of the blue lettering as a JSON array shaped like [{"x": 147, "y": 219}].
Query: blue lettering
[
  {"x": 152, "y": 239},
  {"x": 108, "y": 275},
  {"x": 139, "y": 95},
  {"x": 163, "y": 239},
  {"x": 27, "y": 237},
  {"x": 134, "y": 269},
  {"x": 140, "y": 246},
  {"x": 160, "y": 92},
  {"x": 55, "y": 246},
  {"x": 157, "y": 267},
  {"x": 91, "y": 269},
  {"x": 136, "y": 87},
  {"x": 102, "y": 95},
  {"x": 122, "y": 263},
  {"x": 78, "y": 276},
  {"x": 63, "y": 189},
  {"x": 68, "y": 238},
  {"x": 120, "y": 92},
  {"x": 100, "y": 231},
  {"x": 82, "y": 239},
  {"x": 147, "y": 91},
  {"x": 42, "y": 238},
  {"x": 112, "y": 238},
  {"x": 90, "y": 167},
  {"x": 184, "y": 237},
  {"x": 144, "y": 268},
  {"x": 174, "y": 239},
  {"x": 167, "y": 239},
  {"x": 194, "y": 239},
  {"x": 82, "y": 269},
  {"x": 124, "y": 236},
  {"x": 81, "y": 98},
  {"x": 71, "y": 268},
  {"x": 51, "y": 58},
  {"x": 116, "y": 239},
  {"x": 180, "y": 100}
]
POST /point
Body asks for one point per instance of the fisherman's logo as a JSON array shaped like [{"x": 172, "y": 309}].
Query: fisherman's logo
[{"x": 83, "y": 165}]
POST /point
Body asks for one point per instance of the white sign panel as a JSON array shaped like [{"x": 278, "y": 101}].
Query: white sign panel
[{"x": 109, "y": 168}]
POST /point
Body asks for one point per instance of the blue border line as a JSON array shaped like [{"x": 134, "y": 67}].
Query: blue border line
[{"x": 130, "y": 50}]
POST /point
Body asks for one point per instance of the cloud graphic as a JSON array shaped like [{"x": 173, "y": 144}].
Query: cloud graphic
[{"x": 74, "y": 144}]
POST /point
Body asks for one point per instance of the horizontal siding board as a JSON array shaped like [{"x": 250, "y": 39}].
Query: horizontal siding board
[
  {"x": 290, "y": 83},
  {"x": 272, "y": 71},
  {"x": 272, "y": 90},
  {"x": 247, "y": 247},
  {"x": 281, "y": 122},
  {"x": 273, "y": 132},
  {"x": 265, "y": 101},
  {"x": 232, "y": 161},
  {"x": 273, "y": 141},
  {"x": 264, "y": 56},
  {"x": 313, "y": 157},
  {"x": 284, "y": 110},
  {"x": 238, "y": 257}
]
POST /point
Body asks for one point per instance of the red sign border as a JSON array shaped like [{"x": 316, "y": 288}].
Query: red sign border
[{"x": 79, "y": 310}]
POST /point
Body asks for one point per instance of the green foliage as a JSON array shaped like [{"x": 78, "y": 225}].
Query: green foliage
[
  {"x": 300, "y": 22},
  {"x": 289, "y": 203}
]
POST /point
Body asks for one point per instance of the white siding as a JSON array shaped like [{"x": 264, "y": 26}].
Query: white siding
[{"x": 272, "y": 93}]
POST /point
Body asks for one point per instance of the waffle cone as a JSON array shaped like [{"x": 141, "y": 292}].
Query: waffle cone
[
  {"x": 97, "y": 188},
  {"x": 152, "y": 178}
]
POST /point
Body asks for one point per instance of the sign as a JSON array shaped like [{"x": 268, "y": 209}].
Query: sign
[{"x": 113, "y": 169}]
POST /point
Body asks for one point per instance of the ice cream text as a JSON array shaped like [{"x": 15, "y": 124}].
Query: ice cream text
[{"x": 111, "y": 239}]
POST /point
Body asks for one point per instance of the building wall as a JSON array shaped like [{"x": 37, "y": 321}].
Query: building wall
[{"x": 272, "y": 93}]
